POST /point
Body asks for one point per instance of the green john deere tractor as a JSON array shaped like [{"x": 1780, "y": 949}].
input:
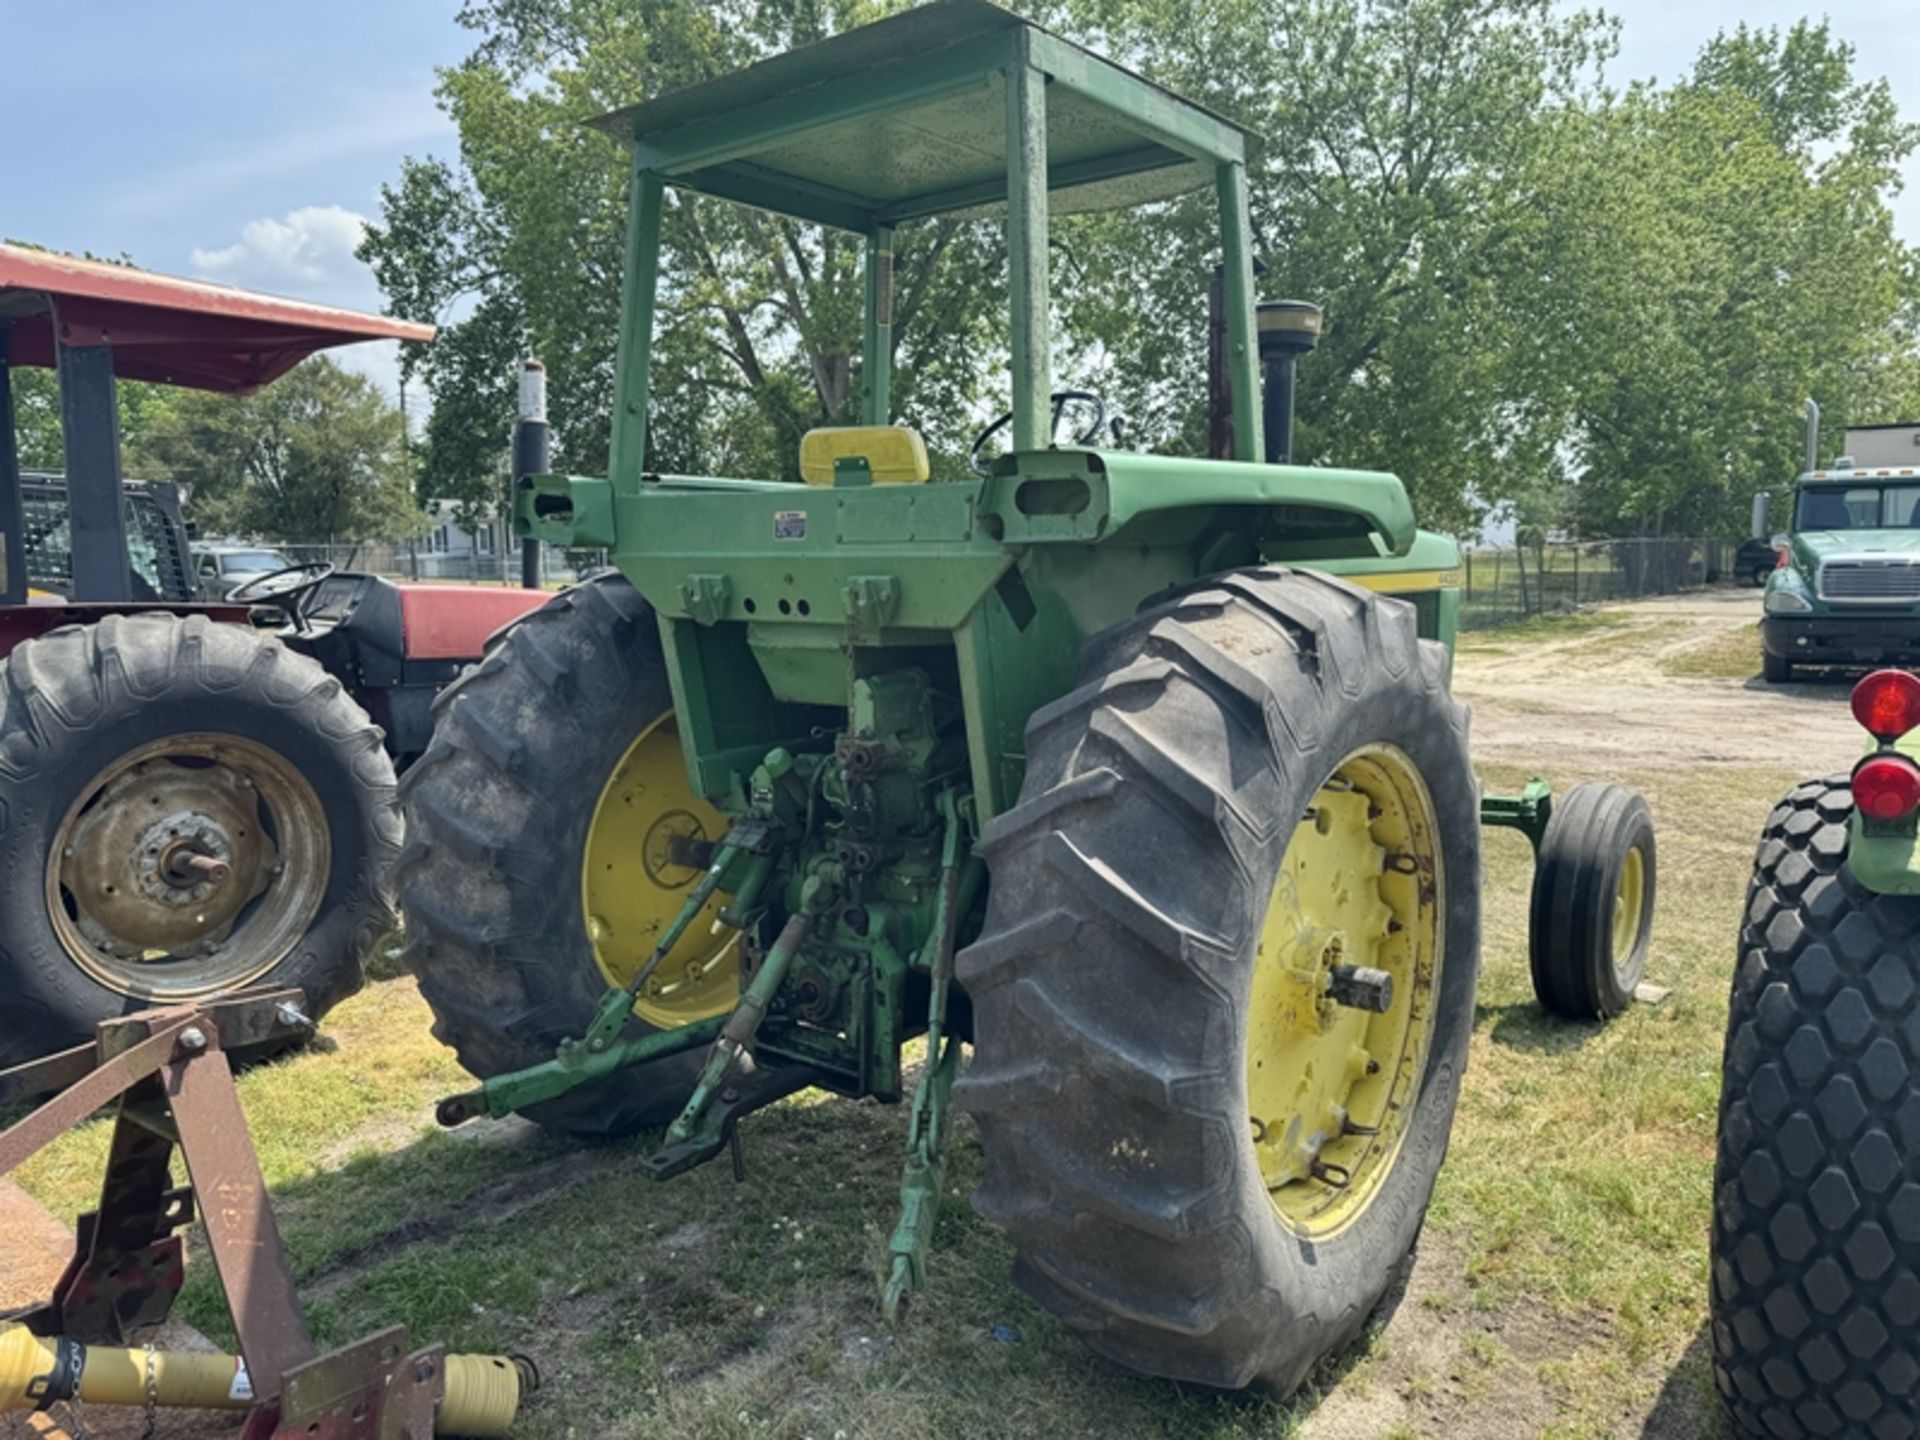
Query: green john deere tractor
[{"x": 1140, "y": 775}]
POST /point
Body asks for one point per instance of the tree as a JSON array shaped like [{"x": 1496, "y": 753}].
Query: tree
[
  {"x": 36, "y": 419},
  {"x": 1583, "y": 306},
  {"x": 1706, "y": 256},
  {"x": 317, "y": 455},
  {"x": 1386, "y": 190},
  {"x": 144, "y": 410},
  {"x": 522, "y": 245}
]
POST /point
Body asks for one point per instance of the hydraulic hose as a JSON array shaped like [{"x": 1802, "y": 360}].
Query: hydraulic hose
[{"x": 483, "y": 1391}]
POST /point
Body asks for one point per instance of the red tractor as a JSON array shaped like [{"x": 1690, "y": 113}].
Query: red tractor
[{"x": 191, "y": 800}]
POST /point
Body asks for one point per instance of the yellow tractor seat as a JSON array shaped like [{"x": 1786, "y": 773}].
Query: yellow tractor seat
[{"x": 895, "y": 455}]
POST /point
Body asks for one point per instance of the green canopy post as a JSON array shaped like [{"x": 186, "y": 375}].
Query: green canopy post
[
  {"x": 629, "y": 442},
  {"x": 876, "y": 355}
]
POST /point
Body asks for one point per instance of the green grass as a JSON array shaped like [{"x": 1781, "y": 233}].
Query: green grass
[
  {"x": 1522, "y": 633},
  {"x": 1581, "y": 1166},
  {"x": 1575, "y": 1196}
]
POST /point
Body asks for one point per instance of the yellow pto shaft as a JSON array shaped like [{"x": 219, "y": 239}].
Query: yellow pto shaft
[{"x": 483, "y": 1391}]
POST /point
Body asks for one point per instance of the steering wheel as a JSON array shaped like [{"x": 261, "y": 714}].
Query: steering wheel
[
  {"x": 296, "y": 581},
  {"x": 1060, "y": 399}
]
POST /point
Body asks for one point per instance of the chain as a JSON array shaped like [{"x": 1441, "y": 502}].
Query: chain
[
  {"x": 153, "y": 1399},
  {"x": 78, "y": 1415}
]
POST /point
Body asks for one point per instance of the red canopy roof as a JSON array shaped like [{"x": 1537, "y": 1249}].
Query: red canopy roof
[{"x": 165, "y": 329}]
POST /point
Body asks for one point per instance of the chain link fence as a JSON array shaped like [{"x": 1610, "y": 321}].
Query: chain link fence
[
  {"x": 1499, "y": 587},
  {"x": 417, "y": 560}
]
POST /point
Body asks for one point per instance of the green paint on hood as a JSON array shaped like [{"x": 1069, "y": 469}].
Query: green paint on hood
[{"x": 1813, "y": 546}]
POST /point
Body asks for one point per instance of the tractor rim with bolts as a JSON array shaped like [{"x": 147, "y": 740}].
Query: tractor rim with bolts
[
  {"x": 634, "y": 879},
  {"x": 188, "y": 865},
  {"x": 1330, "y": 1087}
]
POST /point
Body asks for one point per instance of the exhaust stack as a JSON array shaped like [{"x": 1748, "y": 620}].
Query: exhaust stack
[
  {"x": 532, "y": 455},
  {"x": 1813, "y": 435},
  {"x": 1288, "y": 330}
]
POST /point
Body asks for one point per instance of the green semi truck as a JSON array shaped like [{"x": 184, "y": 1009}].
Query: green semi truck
[{"x": 1848, "y": 591}]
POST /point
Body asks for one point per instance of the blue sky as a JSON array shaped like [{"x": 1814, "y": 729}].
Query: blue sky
[
  {"x": 239, "y": 140},
  {"x": 246, "y": 142}
]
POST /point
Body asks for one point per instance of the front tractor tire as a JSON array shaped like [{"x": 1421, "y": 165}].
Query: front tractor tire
[
  {"x": 186, "y": 808},
  {"x": 1225, "y": 985},
  {"x": 1591, "y": 920},
  {"x": 1816, "y": 1216},
  {"x": 537, "y": 869}
]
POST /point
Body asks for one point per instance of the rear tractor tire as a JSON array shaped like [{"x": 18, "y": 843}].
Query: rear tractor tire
[
  {"x": 186, "y": 808},
  {"x": 1816, "y": 1214},
  {"x": 1591, "y": 918},
  {"x": 1225, "y": 985},
  {"x": 536, "y": 869}
]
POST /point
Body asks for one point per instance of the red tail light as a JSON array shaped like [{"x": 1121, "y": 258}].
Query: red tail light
[
  {"x": 1887, "y": 787},
  {"x": 1887, "y": 703}
]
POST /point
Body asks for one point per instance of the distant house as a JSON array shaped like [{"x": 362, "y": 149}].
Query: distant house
[{"x": 447, "y": 538}]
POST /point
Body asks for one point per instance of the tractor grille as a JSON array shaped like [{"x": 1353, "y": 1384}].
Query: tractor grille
[{"x": 1869, "y": 581}]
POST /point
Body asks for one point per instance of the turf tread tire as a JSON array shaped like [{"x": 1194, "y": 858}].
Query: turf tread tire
[
  {"x": 1816, "y": 1217},
  {"x": 1110, "y": 979}
]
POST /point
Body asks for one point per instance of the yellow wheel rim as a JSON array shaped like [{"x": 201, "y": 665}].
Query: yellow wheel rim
[
  {"x": 632, "y": 884},
  {"x": 1629, "y": 906},
  {"x": 1331, "y": 1088}
]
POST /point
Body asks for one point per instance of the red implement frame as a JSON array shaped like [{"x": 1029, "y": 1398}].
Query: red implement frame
[{"x": 165, "y": 1072}]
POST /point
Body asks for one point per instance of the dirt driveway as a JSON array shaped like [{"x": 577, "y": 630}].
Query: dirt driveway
[{"x": 1672, "y": 683}]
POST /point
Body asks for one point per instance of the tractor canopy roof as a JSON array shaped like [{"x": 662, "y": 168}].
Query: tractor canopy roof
[
  {"x": 169, "y": 330},
  {"x": 907, "y": 117}
]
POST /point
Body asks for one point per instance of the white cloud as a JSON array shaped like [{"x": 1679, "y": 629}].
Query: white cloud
[
  {"x": 311, "y": 246},
  {"x": 308, "y": 254}
]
